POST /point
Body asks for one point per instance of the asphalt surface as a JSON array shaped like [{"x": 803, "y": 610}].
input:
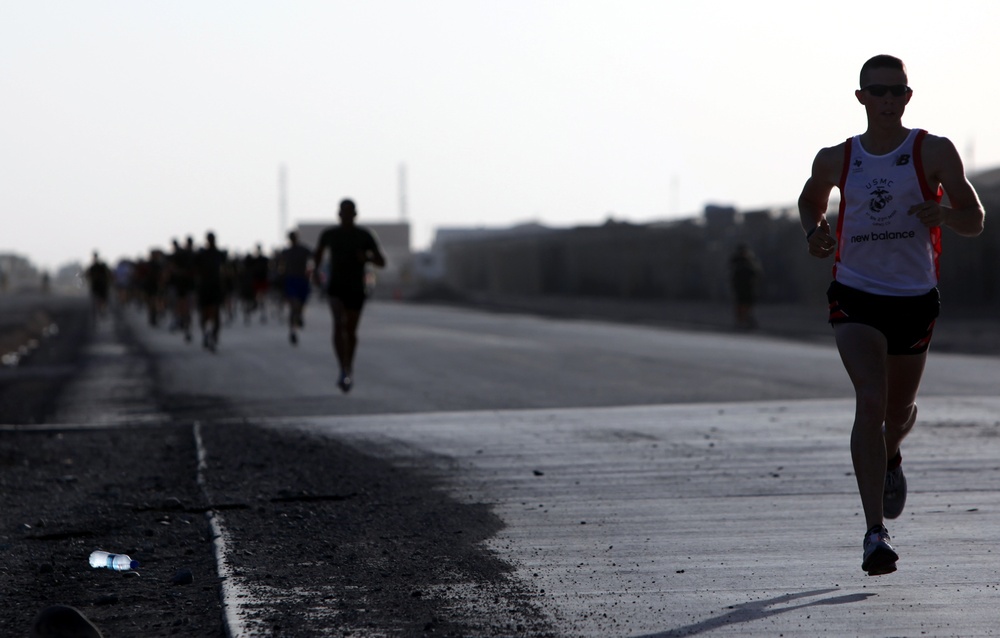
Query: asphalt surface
[{"x": 715, "y": 518}]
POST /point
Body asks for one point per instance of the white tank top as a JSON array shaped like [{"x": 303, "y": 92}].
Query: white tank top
[{"x": 881, "y": 249}]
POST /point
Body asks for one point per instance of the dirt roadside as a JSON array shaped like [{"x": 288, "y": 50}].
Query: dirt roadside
[
  {"x": 66, "y": 491},
  {"x": 395, "y": 555}
]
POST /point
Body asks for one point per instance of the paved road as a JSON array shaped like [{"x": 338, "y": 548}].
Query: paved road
[
  {"x": 651, "y": 482},
  {"x": 719, "y": 519},
  {"x": 427, "y": 358}
]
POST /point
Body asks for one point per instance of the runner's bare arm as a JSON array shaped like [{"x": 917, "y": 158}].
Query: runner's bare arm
[
  {"x": 815, "y": 199},
  {"x": 317, "y": 260},
  {"x": 376, "y": 257},
  {"x": 964, "y": 213}
]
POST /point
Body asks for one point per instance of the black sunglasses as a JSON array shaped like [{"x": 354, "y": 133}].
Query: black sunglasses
[{"x": 878, "y": 90}]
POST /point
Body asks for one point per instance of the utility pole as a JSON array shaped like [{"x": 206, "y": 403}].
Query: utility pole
[
  {"x": 402, "y": 191},
  {"x": 282, "y": 200},
  {"x": 675, "y": 194}
]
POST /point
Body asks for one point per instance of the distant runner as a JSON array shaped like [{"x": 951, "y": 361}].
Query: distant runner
[
  {"x": 293, "y": 267},
  {"x": 209, "y": 263},
  {"x": 260, "y": 276},
  {"x": 149, "y": 273},
  {"x": 351, "y": 249},
  {"x": 181, "y": 281},
  {"x": 99, "y": 280}
]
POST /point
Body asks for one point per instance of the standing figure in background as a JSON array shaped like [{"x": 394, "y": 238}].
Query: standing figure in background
[
  {"x": 293, "y": 268},
  {"x": 884, "y": 297},
  {"x": 351, "y": 248},
  {"x": 745, "y": 273}
]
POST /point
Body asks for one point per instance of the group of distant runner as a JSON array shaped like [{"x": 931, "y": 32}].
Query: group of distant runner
[
  {"x": 209, "y": 282},
  {"x": 172, "y": 285}
]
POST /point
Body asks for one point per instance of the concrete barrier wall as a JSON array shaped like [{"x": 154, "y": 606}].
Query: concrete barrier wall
[{"x": 689, "y": 260}]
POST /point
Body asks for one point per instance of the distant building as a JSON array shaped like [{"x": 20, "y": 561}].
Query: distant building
[
  {"x": 430, "y": 266},
  {"x": 719, "y": 218},
  {"x": 69, "y": 277},
  {"x": 17, "y": 273}
]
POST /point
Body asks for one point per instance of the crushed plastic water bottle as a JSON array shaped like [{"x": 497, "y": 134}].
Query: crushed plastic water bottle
[{"x": 117, "y": 562}]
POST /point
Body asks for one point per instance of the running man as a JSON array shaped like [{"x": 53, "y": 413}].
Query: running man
[
  {"x": 99, "y": 280},
  {"x": 181, "y": 280},
  {"x": 351, "y": 249},
  {"x": 884, "y": 297},
  {"x": 209, "y": 262},
  {"x": 150, "y": 275},
  {"x": 260, "y": 275},
  {"x": 293, "y": 266}
]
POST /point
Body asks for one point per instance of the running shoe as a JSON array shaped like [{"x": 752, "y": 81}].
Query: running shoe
[
  {"x": 293, "y": 338},
  {"x": 879, "y": 557},
  {"x": 344, "y": 383},
  {"x": 894, "y": 493}
]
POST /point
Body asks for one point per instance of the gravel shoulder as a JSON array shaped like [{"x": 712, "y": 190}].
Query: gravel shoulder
[
  {"x": 393, "y": 553},
  {"x": 68, "y": 490},
  {"x": 66, "y": 493}
]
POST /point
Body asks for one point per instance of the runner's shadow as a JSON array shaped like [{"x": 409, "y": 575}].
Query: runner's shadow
[{"x": 759, "y": 610}]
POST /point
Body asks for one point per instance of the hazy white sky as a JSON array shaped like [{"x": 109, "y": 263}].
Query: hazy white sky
[{"x": 124, "y": 124}]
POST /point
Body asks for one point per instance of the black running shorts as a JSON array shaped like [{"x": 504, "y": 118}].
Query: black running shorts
[
  {"x": 906, "y": 322},
  {"x": 353, "y": 297}
]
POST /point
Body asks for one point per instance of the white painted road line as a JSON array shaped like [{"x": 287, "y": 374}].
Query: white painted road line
[{"x": 234, "y": 595}]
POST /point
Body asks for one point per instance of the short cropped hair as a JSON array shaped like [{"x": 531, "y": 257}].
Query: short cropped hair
[{"x": 880, "y": 62}]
